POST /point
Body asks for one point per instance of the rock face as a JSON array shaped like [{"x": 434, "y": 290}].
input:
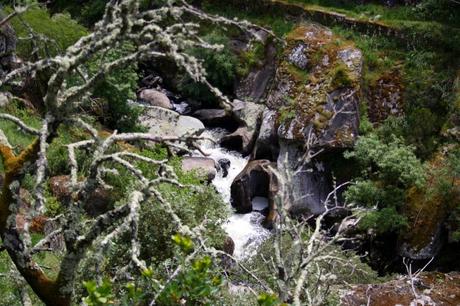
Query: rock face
[
  {"x": 256, "y": 179},
  {"x": 253, "y": 86},
  {"x": 249, "y": 116},
  {"x": 315, "y": 97},
  {"x": 155, "y": 98},
  {"x": 202, "y": 165},
  {"x": 164, "y": 122},
  {"x": 266, "y": 146},
  {"x": 386, "y": 97}
]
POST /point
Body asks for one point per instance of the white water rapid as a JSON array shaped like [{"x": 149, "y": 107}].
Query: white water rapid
[{"x": 245, "y": 229}]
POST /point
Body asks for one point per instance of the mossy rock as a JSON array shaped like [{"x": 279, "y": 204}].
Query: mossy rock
[{"x": 321, "y": 72}]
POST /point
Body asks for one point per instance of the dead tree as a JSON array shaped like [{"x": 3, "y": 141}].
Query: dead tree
[{"x": 155, "y": 34}]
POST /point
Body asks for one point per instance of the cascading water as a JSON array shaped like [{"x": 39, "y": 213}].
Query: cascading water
[{"x": 245, "y": 230}]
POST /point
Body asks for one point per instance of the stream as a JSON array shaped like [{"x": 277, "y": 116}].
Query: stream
[{"x": 245, "y": 230}]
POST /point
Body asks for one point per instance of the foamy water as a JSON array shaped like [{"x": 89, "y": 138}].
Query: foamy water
[{"x": 245, "y": 229}]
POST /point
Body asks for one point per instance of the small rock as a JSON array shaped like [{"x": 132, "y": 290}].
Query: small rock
[
  {"x": 224, "y": 164},
  {"x": 298, "y": 57}
]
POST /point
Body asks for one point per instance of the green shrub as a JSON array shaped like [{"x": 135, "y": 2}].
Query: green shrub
[
  {"x": 389, "y": 169},
  {"x": 221, "y": 68}
]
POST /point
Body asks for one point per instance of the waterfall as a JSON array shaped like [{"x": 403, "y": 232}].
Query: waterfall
[{"x": 245, "y": 229}]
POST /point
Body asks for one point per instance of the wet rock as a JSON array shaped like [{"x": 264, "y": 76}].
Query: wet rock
[
  {"x": 155, "y": 98},
  {"x": 164, "y": 122},
  {"x": 255, "y": 179},
  {"x": 249, "y": 116},
  {"x": 229, "y": 245},
  {"x": 266, "y": 146},
  {"x": 224, "y": 164},
  {"x": 202, "y": 165}
]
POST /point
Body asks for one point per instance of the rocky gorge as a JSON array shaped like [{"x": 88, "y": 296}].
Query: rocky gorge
[{"x": 315, "y": 127}]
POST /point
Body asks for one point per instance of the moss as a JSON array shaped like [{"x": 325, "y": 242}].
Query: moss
[{"x": 341, "y": 77}]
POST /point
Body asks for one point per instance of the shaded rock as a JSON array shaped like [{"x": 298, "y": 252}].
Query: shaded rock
[
  {"x": 433, "y": 288},
  {"x": 253, "y": 86},
  {"x": 266, "y": 146},
  {"x": 224, "y": 164},
  {"x": 8, "y": 40},
  {"x": 202, "y": 165},
  {"x": 308, "y": 187},
  {"x": 155, "y": 98},
  {"x": 99, "y": 202},
  {"x": 164, "y": 122},
  {"x": 216, "y": 118},
  {"x": 427, "y": 211},
  {"x": 255, "y": 180},
  {"x": 248, "y": 115}
]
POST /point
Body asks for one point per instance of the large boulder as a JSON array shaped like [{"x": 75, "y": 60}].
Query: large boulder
[
  {"x": 202, "y": 165},
  {"x": 316, "y": 99},
  {"x": 164, "y": 122},
  {"x": 256, "y": 180},
  {"x": 316, "y": 89},
  {"x": 155, "y": 98},
  {"x": 309, "y": 185},
  {"x": 216, "y": 118},
  {"x": 249, "y": 116}
]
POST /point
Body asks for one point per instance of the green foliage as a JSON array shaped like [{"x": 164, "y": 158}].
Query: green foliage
[
  {"x": 267, "y": 299},
  {"x": 98, "y": 295},
  {"x": 18, "y": 139},
  {"x": 198, "y": 285},
  {"x": 59, "y": 28},
  {"x": 117, "y": 88},
  {"x": 388, "y": 170},
  {"x": 384, "y": 220},
  {"x": 396, "y": 162},
  {"x": 221, "y": 68}
]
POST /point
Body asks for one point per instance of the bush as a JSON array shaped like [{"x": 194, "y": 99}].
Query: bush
[
  {"x": 116, "y": 90},
  {"x": 221, "y": 68},
  {"x": 389, "y": 169}
]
